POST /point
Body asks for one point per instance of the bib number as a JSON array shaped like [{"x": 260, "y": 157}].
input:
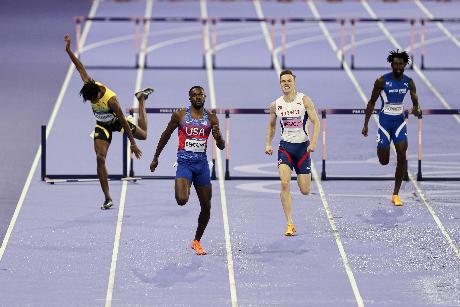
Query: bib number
[
  {"x": 104, "y": 117},
  {"x": 292, "y": 122},
  {"x": 194, "y": 145},
  {"x": 392, "y": 109}
]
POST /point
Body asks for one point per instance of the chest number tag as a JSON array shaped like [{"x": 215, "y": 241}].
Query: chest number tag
[
  {"x": 292, "y": 122},
  {"x": 195, "y": 145}
]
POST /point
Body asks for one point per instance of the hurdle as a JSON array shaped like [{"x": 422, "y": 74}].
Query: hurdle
[
  {"x": 285, "y": 21},
  {"x": 63, "y": 178},
  {"x": 420, "y": 177},
  {"x": 324, "y": 175},
  {"x": 245, "y": 111},
  {"x": 354, "y": 21},
  {"x": 424, "y": 22}
]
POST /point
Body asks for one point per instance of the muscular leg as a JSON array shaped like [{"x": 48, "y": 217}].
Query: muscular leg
[
  {"x": 286, "y": 199},
  {"x": 401, "y": 148},
  {"x": 101, "y": 147},
  {"x": 304, "y": 183},
  {"x": 204, "y": 193},
  {"x": 383, "y": 154},
  {"x": 182, "y": 189}
]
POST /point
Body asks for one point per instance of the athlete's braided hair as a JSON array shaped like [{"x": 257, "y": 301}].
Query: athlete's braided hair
[
  {"x": 90, "y": 90},
  {"x": 396, "y": 54}
]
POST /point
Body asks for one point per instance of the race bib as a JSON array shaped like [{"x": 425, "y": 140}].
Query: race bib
[
  {"x": 393, "y": 109},
  {"x": 195, "y": 145},
  {"x": 292, "y": 122},
  {"x": 104, "y": 117}
]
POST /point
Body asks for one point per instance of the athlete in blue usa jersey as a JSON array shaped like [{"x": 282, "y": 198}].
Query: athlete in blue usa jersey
[
  {"x": 392, "y": 88},
  {"x": 194, "y": 125}
]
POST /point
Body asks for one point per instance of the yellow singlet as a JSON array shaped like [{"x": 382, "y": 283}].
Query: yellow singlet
[{"x": 101, "y": 108}]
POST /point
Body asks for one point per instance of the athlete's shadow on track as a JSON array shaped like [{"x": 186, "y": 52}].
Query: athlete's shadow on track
[
  {"x": 280, "y": 248},
  {"x": 172, "y": 273},
  {"x": 385, "y": 218}
]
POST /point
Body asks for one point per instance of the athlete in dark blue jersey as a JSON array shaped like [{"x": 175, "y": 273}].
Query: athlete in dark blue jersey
[{"x": 392, "y": 88}]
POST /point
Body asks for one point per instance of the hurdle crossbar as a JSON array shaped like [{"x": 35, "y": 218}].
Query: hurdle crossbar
[{"x": 62, "y": 178}]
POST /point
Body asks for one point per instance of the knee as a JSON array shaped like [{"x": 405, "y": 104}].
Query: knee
[
  {"x": 100, "y": 158},
  {"x": 285, "y": 186},
  {"x": 305, "y": 190},
  {"x": 384, "y": 160},
  {"x": 181, "y": 200},
  {"x": 142, "y": 136}
]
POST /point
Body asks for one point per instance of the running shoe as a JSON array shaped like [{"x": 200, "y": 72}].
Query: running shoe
[
  {"x": 107, "y": 204},
  {"x": 197, "y": 247},
  {"x": 290, "y": 230},
  {"x": 396, "y": 200},
  {"x": 145, "y": 92}
]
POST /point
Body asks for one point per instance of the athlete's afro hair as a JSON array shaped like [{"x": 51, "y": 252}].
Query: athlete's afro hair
[{"x": 396, "y": 54}]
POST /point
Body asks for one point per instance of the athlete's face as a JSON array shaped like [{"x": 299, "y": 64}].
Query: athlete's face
[
  {"x": 398, "y": 67},
  {"x": 287, "y": 83},
  {"x": 197, "y": 98}
]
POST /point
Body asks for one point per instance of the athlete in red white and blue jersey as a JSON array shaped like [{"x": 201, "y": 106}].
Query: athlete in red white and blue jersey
[
  {"x": 293, "y": 110},
  {"x": 194, "y": 124}
]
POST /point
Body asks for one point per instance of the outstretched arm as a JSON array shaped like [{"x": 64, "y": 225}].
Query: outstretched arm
[
  {"x": 81, "y": 69},
  {"x": 378, "y": 87},
  {"x": 165, "y": 136},
  {"x": 313, "y": 116},
  {"x": 216, "y": 131},
  {"x": 270, "y": 130},
  {"x": 413, "y": 95},
  {"x": 115, "y": 107}
]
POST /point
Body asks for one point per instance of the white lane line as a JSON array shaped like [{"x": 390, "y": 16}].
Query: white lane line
[
  {"x": 50, "y": 124},
  {"x": 411, "y": 177},
  {"x": 427, "y": 12},
  {"x": 220, "y": 169},
  {"x": 335, "y": 231},
  {"x": 124, "y": 187},
  {"x": 417, "y": 70}
]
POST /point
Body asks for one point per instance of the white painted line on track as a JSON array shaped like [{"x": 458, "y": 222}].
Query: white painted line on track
[
  {"x": 49, "y": 126},
  {"x": 124, "y": 187},
  {"x": 338, "y": 240},
  {"x": 441, "y": 227},
  {"x": 220, "y": 169}
]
